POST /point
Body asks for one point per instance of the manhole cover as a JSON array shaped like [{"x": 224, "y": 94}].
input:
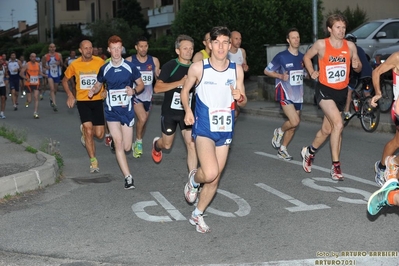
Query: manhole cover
[{"x": 97, "y": 180}]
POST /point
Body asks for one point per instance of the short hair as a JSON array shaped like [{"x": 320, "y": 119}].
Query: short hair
[
  {"x": 181, "y": 38},
  {"x": 335, "y": 17},
  {"x": 13, "y": 52},
  {"x": 206, "y": 34},
  {"x": 219, "y": 31},
  {"x": 291, "y": 30},
  {"x": 141, "y": 39},
  {"x": 114, "y": 39}
]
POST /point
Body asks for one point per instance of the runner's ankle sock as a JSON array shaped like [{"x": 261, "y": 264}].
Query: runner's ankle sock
[
  {"x": 391, "y": 196},
  {"x": 197, "y": 212},
  {"x": 195, "y": 184},
  {"x": 156, "y": 146},
  {"x": 139, "y": 141},
  {"x": 382, "y": 167},
  {"x": 280, "y": 131},
  {"x": 311, "y": 149},
  {"x": 336, "y": 164},
  {"x": 93, "y": 159},
  {"x": 283, "y": 148}
]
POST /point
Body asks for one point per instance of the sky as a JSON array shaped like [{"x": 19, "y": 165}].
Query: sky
[{"x": 21, "y": 10}]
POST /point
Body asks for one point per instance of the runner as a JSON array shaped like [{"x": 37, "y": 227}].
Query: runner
[
  {"x": 120, "y": 76},
  {"x": 52, "y": 62},
  {"x": 149, "y": 69},
  {"x": 91, "y": 110},
  {"x": 204, "y": 53},
  {"x": 30, "y": 74},
  {"x": 171, "y": 81},
  {"x": 335, "y": 55},
  {"x": 219, "y": 82},
  {"x": 21, "y": 80},
  {"x": 71, "y": 83},
  {"x": 13, "y": 78},
  {"x": 287, "y": 68},
  {"x": 3, "y": 88}
]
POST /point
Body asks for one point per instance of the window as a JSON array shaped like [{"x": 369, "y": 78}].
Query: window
[
  {"x": 166, "y": 2},
  {"x": 72, "y": 5}
]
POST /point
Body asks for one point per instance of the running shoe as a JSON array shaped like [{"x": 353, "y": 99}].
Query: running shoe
[
  {"x": 283, "y": 154},
  {"x": 137, "y": 149},
  {"x": 276, "y": 140},
  {"x": 129, "y": 182},
  {"x": 9, "y": 95},
  {"x": 336, "y": 173},
  {"x": 156, "y": 155},
  {"x": 2, "y": 116},
  {"x": 391, "y": 170},
  {"x": 112, "y": 144},
  {"x": 15, "y": 108},
  {"x": 108, "y": 140},
  {"x": 190, "y": 192},
  {"x": 82, "y": 138},
  {"x": 55, "y": 108},
  {"x": 307, "y": 160},
  {"x": 347, "y": 115},
  {"x": 51, "y": 103},
  {"x": 379, "y": 174},
  {"x": 26, "y": 104},
  {"x": 379, "y": 199},
  {"x": 41, "y": 97},
  {"x": 199, "y": 223},
  {"x": 94, "y": 167},
  {"x": 35, "y": 115}
]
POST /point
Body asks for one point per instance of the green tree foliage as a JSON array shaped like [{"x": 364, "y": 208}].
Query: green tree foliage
[
  {"x": 259, "y": 22},
  {"x": 101, "y": 30},
  {"x": 355, "y": 17},
  {"x": 130, "y": 11}
]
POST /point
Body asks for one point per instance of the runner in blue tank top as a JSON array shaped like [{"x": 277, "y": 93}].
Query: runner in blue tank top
[
  {"x": 149, "y": 68},
  {"x": 219, "y": 83}
]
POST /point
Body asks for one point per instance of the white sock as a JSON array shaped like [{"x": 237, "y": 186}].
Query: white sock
[
  {"x": 197, "y": 212},
  {"x": 283, "y": 148}
]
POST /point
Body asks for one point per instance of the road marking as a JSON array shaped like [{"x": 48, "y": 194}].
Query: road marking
[
  {"x": 315, "y": 167},
  {"x": 300, "y": 206},
  {"x": 243, "y": 207}
]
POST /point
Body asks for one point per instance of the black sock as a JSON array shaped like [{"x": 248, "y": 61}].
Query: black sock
[
  {"x": 311, "y": 149},
  {"x": 156, "y": 147},
  {"x": 382, "y": 167}
]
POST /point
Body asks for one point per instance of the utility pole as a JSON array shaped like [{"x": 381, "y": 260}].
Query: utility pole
[
  {"x": 51, "y": 20},
  {"x": 12, "y": 18}
]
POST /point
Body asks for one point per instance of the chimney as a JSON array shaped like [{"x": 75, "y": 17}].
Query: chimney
[{"x": 21, "y": 25}]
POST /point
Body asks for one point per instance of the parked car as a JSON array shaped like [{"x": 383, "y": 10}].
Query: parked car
[
  {"x": 381, "y": 55},
  {"x": 377, "y": 34}
]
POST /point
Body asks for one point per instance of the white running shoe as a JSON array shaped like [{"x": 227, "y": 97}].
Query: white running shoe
[
  {"x": 199, "y": 223},
  {"x": 307, "y": 160},
  {"x": 190, "y": 192},
  {"x": 276, "y": 140}
]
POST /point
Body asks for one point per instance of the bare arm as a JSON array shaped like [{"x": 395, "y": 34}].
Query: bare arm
[
  {"x": 22, "y": 72},
  {"x": 239, "y": 91},
  {"x": 157, "y": 67},
  {"x": 307, "y": 58},
  {"x": 355, "y": 60},
  {"x": 197, "y": 57},
  {"x": 193, "y": 75},
  {"x": 245, "y": 66},
  {"x": 161, "y": 86}
]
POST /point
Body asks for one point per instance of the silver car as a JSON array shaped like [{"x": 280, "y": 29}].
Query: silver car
[{"x": 377, "y": 34}]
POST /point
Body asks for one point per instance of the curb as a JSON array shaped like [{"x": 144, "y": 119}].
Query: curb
[{"x": 35, "y": 178}]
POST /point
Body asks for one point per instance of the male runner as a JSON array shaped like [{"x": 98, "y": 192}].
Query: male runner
[
  {"x": 30, "y": 74},
  {"x": 14, "y": 66},
  {"x": 171, "y": 81},
  {"x": 52, "y": 63},
  {"x": 120, "y": 76},
  {"x": 3, "y": 88},
  {"x": 335, "y": 55},
  {"x": 219, "y": 82},
  {"x": 149, "y": 68},
  {"x": 204, "y": 53},
  {"x": 287, "y": 68},
  {"x": 91, "y": 110}
]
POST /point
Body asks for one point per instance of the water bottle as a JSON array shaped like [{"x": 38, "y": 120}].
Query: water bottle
[{"x": 356, "y": 104}]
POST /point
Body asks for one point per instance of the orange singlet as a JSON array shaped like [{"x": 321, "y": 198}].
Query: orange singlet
[
  {"x": 335, "y": 66},
  {"x": 32, "y": 73}
]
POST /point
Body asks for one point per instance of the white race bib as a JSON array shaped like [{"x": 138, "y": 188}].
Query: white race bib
[
  {"x": 296, "y": 77},
  {"x": 34, "y": 80},
  {"x": 87, "y": 81},
  {"x": 119, "y": 98},
  {"x": 176, "y": 102},
  {"x": 336, "y": 73},
  {"x": 54, "y": 70},
  {"x": 220, "y": 120},
  {"x": 147, "y": 77}
]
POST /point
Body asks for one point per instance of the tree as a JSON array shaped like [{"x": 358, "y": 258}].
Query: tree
[
  {"x": 101, "y": 30},
  {"x": 259, "y": 22},
  {"x": 130, "y": 11}
]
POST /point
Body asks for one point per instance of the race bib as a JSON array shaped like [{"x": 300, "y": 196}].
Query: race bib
[
  {"x": 296, "y": 77},
  {"x": 54, "y": 70},
  {"x": 2, "y": 83},
  {"x": 87, "y": 81},
  {"x": 119, "y": 98},
  {"x": 147, "y": 77},
  {"x": 34, "y": 80},
  {"x": 220, "y": 120},
  {"x": 336, "y": 73},
  {"x": 176, "y": 102}
]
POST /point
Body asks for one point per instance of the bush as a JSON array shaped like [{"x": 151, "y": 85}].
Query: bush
[
  {"x": 36, "y": 48},
  {"x": 355, "y": 17}
]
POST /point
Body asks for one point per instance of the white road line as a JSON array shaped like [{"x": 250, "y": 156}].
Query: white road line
[{"x": 315, "y": 167}]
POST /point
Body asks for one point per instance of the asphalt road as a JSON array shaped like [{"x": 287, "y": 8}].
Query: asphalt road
[{"x": 267, "y": 211}]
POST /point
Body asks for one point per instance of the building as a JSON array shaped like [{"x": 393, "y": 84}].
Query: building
[{"x": 161, "y": 13}]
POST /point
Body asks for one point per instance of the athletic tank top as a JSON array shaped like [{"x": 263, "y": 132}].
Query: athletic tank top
[
  {"x": 32, "y": 73},
  {"x": 205, "y": 55},
  {"x": 2, "y": 76},
  {"x": 147, "y": 70},
  {"x": 237, "y": 57},
  {"x": 214, "y": 109},
  {"x": 55, "y": 70},
  {"x": 335, "y": 66}
]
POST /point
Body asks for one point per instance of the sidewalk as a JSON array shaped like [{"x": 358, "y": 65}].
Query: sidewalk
[{"x": 22, "y": 171}]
